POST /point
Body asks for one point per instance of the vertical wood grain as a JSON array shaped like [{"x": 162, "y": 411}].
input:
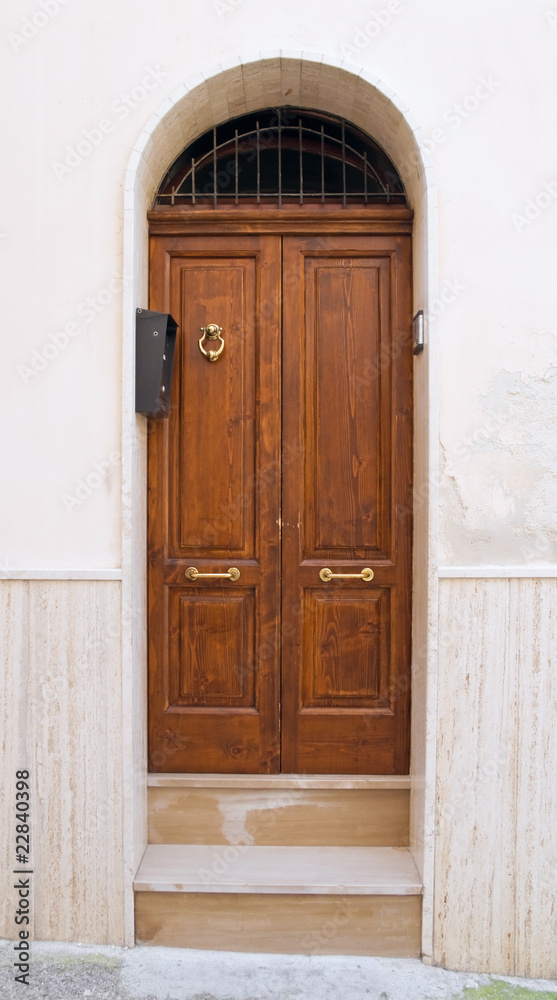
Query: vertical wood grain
[
  {"x": 345, "y": 488},
  {"x": 347, "y": 424},
  {"x": 214, "y": 502},
  {"x": 214, "y": 634},
  {"x": 214, "y": 441}
]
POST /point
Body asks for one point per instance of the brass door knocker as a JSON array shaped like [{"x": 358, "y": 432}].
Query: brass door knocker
[{"x": 211, "y": 332}]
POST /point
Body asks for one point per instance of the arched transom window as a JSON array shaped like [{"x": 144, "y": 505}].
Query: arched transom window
[{"x": 282, "y": 156}]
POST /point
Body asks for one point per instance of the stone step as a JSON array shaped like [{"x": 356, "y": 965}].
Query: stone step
[
  {"x": 287, "y": 810},
  {"x": 324, "y": 900}
]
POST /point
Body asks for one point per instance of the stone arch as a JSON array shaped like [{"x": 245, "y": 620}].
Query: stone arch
[{"x": 317, "y": 82}]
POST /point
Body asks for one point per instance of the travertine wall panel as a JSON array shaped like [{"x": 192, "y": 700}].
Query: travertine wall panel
[
  {"x": 64, "y": 683},
  {"x": 536, "y": 820},
  {"x": 14, "y": 701},
  {"x": 496, "y": 777},
  {"x": 134, "y": 669}
]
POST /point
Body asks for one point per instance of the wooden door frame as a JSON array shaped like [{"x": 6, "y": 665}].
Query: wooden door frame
[
  {"x": 315, "y": 220},
  {"x": 381, "y": 220}
]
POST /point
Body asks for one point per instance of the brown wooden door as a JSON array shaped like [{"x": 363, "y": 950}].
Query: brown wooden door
[
  {"x": 280, "y": 670},
  {"x": 347, "y": 423},
  {"x": 214, "y": 503}
]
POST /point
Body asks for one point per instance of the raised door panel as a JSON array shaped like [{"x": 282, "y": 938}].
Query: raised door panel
[
  {"x": 212, "y": 640},
  {"x": 212, "y": 509},
  {"x": 346, "y": 649},
  {"x": 347, "y": 408},
  {"x": 214, "y": 494}
]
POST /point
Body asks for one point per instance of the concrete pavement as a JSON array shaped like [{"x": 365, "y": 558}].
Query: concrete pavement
[{"x": 72, "y": 972}]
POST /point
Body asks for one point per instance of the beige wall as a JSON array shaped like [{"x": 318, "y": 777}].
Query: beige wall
[
  {"x": 496, "y": 870},
  {"x": 496, "y": 844},
  {"x": 73, "y": 689},
  {"x": 61, "y": 702}
]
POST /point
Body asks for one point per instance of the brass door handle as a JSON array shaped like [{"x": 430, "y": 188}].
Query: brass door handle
[
  {"x": 193, "y": 574},
  {"x": 326, "y": 575},
  {"x": 211, "y": 332}
]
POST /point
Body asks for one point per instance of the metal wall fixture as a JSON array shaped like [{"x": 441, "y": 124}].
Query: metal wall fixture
[
  {"x": 283, "y": 156},
  {"x": 418, "y": 332},
  {"x": 155, "y": 339}
]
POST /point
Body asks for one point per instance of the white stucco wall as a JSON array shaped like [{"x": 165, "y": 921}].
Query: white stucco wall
[
  {"x": 61, "y": 244},
  {"x": 81, "y": 81}
]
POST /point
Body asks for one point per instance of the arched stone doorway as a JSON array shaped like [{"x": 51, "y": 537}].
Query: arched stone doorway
[{"x": 195, "y": 108}]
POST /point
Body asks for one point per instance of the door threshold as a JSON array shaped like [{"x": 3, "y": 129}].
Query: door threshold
[{"x": 360, "y": 781}]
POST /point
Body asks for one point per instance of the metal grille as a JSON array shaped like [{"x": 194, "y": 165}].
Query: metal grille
[{"x": 282, "y": 156}]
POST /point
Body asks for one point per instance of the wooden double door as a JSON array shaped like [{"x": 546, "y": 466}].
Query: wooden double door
[{"x": 288, "y": 456}]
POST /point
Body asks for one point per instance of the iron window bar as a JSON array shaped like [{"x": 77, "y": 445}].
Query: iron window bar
[
  {"x": 310, "y": 141},
  {"x": 343, "y": 167},
  {"x": 258, "y": 163},
  {"x": 215, "y": 168},
  {"x": 301, "y": 145},
  {"x": 236, "y": 165},
  {"x": 322, "y": 164},
  {"x": 365, "y": 176},
  {"x": 279, "y": 120}
]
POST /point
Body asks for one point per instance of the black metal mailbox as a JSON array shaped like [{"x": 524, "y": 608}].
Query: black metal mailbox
[{"x": 155, "y": 339}]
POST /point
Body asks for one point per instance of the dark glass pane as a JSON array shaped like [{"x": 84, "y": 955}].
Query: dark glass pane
[{"x": 337, "y": 159}]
